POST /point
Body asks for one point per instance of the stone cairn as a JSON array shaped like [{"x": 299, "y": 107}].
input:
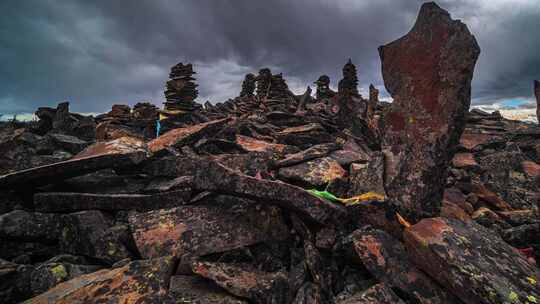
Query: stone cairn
[
  {"x": 181, "y": 89},
  {"x": 323, "y": 88},
  {"x": 349, "y": 84},
  {"x": 248, "y": 86},
  {"x": 263, "y": 81}
]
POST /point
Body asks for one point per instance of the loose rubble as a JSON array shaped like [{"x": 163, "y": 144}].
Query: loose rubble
[{"x": 272, "y": 197}]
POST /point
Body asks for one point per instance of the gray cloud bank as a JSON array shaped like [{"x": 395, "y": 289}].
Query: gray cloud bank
[{"x": 96, "y": 53}]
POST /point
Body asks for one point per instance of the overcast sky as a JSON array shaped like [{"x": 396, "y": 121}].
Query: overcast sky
[{"x": 97, "y": 53}]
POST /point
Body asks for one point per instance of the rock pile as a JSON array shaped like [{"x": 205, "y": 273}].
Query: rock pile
[
  {"x": 323, "y": 88},
  {"x": 291, "y": 205},
  {"x": 248, "y": 86},
  {"x": 123, "y": 121},
  {"x": 348, "y": 86},
  {"x": 181, "y": 89}
]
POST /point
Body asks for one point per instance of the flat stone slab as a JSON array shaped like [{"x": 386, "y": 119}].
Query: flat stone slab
[
  {"x": 472, "y": 262},
  {"x": 245, "y": 281},
  {"x": 317, "y": 172},
  {"x": 212, "y": 176},
  {"x": 195, "y": 289},
  {"x": 181, "y": 136},
  {"x": 386, "y": 258},
  {"x": 122, "y": 152},
  {"x": 376, "y": 294},
  {"x": 200, "y": 230},
  {"x": 72, "y": 202},
  {"x": 144, "y": 281}
]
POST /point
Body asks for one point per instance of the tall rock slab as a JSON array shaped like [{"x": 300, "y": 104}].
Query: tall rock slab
[
  {"x": 428, "y": 72},
  {"x": 537, "y": 94}
]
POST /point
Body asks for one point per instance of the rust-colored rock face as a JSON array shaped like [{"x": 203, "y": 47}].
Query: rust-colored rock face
[
  {"x": 137, "y": 282},
  {"x": 386, "y": 258},
  {"x": 428, "y": 72},
  {"x": 472, "y": 262}
]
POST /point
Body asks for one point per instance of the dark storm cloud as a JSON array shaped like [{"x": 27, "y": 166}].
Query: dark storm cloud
[{"x": 96, "y": 53}]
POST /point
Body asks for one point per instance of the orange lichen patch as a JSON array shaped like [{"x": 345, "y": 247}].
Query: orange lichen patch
[
  {"x": 166, "y": 232},
  {"x": 254, "y": 145},
  {"x": 428, "y": 231},
  {"x": 121, "y": 145},
  {"x": 333, "y": 172},
  {"x": 471, "y": 140},
  {"x": 464, "y": 160},
  {"x": 531, "y": 168},
  {"x": 135, "y": 282},
  {"x": 373, "y": 248},
  {"x": 175, "y": 136}
]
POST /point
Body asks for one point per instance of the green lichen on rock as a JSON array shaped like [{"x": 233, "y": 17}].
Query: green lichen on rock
[{"x": 59, "y": 272}]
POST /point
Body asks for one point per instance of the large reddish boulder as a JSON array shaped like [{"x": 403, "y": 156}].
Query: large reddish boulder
[
  {"x": 428, "y": 72},
  {"x": 472, "y": 262}
]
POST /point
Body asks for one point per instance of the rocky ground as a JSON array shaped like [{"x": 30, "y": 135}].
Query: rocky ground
[{"x": 277, "y": 198}]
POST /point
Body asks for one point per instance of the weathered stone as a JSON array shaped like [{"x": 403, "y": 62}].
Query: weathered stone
[
  {"x": 325, "y": 238},
  {"x": 472, "y": 262},
  {"x": 472, "y": 141},
  {"x": 368, "y": 177},
  {"x": 317, "y": 172},
  {"x": 14, "y": 282},
  {"x": 347, "y": 157},
  {"x": 305, "y": 155},
  {"x": 456, "y": 197},
  {"x": 304, "y": 136},
  {"x": 71, "y": 144},
  {"x": 377, "y": 294},
  {"x": 144, "y": 281},
  {"x": 200, "y": 230},
  {"x": 181, "y": 136},
  {"x": 28, "y": 226},
  {"x": 386, "y": 258},
  {"x": 451, "y": 210},
  {"x": 72, "y": 202},
  {"x": 522, "y": 236},
  {"x": 215, "y": 177},
  {"x": 520, "y": 217},
  {"x": 427, "y": 116},
  {"x": 194, "y": 289},
  {"x": 114, "y": 154},
  {"x": 531, "y": 168},
  {"x": 50, "y": 274},
  {"x": 489, "y": 197},
  {"x": 319, "y": 269},
  {"x": 308, "y": 294},
  {"x": 464, "y": 160},
  {"x": 93, "y": 234},
  {"x": 245, "y": 281}
]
